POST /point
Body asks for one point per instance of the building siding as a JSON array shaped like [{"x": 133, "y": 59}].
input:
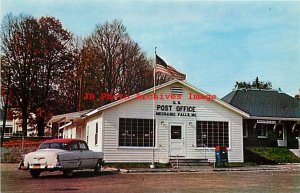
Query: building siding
[{"x": 90, "y": 133}]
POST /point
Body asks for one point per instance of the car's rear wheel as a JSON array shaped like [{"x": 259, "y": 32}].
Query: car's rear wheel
[
  {"x": 35, "y": 173},
  {"x": 68, "y": 172},
  {"x": 97, "y": 168}
]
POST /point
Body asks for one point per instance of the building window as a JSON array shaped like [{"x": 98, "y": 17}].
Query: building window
[
  {"x": 262, "y": 130},
  {"x": 96, "y": 134},
  {"x": 245, "y": 130},
  {"x": 7, "y": 131},
  {"x": 175, "y": 132},
  {"x": 176, "y": 90},
  {"x": 212, "y": 134},
  {"x": 136, "y": 132}
]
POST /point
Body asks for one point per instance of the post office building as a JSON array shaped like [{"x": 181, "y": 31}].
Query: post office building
[{"x": 174, "y": 120}]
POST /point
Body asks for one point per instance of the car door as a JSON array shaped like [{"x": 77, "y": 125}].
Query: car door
[
  {"x": 87, "y": 156},
  {"x": 74, "y": 156}
]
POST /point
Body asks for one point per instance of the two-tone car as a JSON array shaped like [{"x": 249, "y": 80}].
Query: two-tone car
[{"x": 65, "y": 155}]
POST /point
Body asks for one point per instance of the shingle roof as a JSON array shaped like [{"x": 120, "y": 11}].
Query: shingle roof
[{"x": 264, "y": 103}]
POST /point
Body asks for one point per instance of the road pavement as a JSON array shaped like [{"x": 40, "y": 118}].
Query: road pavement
[{"x": 286, "y": 179}]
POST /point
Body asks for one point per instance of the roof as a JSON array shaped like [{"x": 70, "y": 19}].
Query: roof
[
  {"x": 264, "y": 103},
  {"x": 68, "y": 117},
  {"x": 132, "y": 97},
  {"x": 62, "y": 141}
]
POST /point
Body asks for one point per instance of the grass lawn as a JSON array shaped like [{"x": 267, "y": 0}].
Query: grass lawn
[{"x": 275, "y": 154}]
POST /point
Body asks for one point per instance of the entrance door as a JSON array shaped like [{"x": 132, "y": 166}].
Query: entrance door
[
  {"x": 281, "y": 136},
  {"x": 176, "y": 141}
]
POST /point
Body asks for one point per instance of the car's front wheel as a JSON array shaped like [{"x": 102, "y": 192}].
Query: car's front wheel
[
  {"x": 97, "y": 168},
  {"x": 35, "y": 173}
]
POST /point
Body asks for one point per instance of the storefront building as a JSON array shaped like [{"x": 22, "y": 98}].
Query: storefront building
[
  {"x": 188, "y": 123},
  {"x": 274, "y": 117}
]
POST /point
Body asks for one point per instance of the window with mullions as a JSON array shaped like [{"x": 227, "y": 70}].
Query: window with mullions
[
  {"x": 262, "y": 130},
  {"x": 212, "y": 134},
  {"x": 136, "y": 132}
]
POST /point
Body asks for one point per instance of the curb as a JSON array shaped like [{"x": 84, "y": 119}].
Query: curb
[
  {"x": 242, "y": 169},
  {"x": 283, "y": 167}
]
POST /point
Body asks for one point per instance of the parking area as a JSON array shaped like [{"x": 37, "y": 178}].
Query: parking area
[{"x": 13, "y": 180}]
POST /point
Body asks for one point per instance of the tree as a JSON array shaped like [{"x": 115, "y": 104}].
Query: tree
[
  {"x": 5, "y": 96},
  {"x": 48, "y": 71},
  {"x": 35, "y": 54},
  {"x": 256, "y": 84},
  {"x": 114, "y": 64},
  {"x": 19, "y": 37},
  {"x": 53, "y": 64},
  {"x": 69, "y": 88}
]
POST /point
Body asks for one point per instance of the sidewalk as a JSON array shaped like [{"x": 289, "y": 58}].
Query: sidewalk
[{"x": 283, "y": 167}]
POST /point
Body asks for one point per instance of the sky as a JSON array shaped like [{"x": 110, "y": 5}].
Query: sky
[{"x": 215, "y": 43}]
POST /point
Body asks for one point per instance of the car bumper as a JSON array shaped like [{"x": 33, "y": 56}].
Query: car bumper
[{"x": 44, "y": 167}]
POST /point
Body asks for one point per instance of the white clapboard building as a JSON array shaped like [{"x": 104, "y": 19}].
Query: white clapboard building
[{"x": 188, "y": 124}]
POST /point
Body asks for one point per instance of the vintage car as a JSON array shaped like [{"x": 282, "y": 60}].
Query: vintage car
[{"x": 65, "y": 155}]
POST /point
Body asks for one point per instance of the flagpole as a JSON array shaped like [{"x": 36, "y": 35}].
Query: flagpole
[{"x": 153, "y": 106}]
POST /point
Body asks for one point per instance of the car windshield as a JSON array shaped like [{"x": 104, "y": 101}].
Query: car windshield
[{"x": 54, "y": 145}]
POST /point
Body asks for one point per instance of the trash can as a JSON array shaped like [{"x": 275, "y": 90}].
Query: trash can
[{"x": 221, "y": 154}]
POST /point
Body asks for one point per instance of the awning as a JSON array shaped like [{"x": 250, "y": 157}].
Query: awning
[
  {"x": 65, "y": 125},
  {"x": 68, "y": 117}
]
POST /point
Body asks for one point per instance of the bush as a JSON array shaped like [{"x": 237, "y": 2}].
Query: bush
[{"x": 13, "y": 154}]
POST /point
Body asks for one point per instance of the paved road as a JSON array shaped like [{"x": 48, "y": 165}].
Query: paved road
[{"x": 14, "y": 181}]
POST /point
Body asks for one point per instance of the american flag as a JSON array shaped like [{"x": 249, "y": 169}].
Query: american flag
[{"x": 161, "y": 66}]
